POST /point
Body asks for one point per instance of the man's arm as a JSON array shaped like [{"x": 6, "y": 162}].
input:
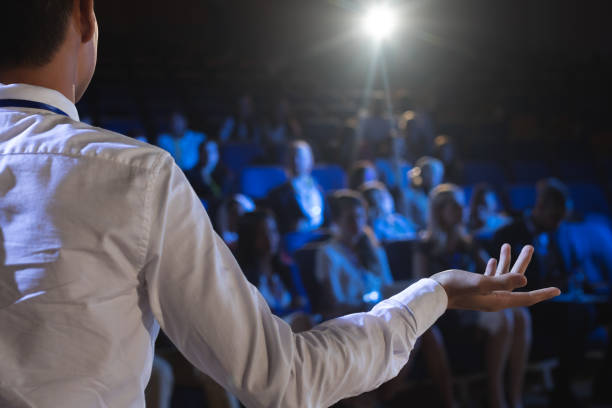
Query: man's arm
[{"x": 223, "y": 326}]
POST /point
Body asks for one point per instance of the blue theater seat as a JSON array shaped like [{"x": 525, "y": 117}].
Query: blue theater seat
[
  {"x": 296, "y": 240},
  {"x": 257, "y": 181},
  {"x": 236, "y": 156},
  {"x": 330, "y": 177},
  {"x": 480, "y": 171},
  {"x": 388, "y": 176},
  {"x": 521, "y": 196},
  {"x": 588, "y": 198}
]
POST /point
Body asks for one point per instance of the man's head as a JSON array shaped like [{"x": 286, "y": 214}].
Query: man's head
[
  {"x": 551, "y": 204},
  {"x": 301, "y": 160},
  {"x": 51, "y": 43},
  {"x": 348, "y": 210}
]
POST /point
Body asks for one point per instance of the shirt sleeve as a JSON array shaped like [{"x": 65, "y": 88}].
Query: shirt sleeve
[{"x": 223, "y": 326}]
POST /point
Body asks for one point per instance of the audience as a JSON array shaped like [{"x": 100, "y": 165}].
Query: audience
[
  {"x": 182, "y": 143},
  {"x": 423, "y": 178},
  {"x": 351, "y": 267},
  {"x": 385, "y": 222},
  {"x": 299, "y": 203},
  {"x": 446, "y": 245}
]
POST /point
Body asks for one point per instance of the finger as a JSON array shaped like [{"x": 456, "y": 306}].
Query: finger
[
  {"x": 505, "y": 282},
  {"x": 504, "y": 260},
  {"x": 491, "y": 265},
  {"x": 520, "y": 266},
  {"x": 520, "y": 299}
]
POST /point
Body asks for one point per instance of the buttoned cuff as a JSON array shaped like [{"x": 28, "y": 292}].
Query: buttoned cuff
[{"x": 426, "y": 300}]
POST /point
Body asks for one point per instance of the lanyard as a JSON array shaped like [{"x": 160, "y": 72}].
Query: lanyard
[{"x": 20, "y": 103}]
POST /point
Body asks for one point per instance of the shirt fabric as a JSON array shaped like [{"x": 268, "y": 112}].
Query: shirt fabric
[{"x": 103, "y": 241}]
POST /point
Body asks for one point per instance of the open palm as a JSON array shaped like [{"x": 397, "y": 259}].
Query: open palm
[{"x": 494, "y": 290}]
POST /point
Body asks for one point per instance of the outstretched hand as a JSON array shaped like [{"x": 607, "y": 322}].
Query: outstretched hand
[{"x": 493, "y": 290}]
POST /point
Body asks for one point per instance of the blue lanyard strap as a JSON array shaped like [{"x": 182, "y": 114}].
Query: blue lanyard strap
[{"x": 20, "y": 103}]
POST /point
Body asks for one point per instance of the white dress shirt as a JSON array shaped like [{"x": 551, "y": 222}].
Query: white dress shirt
[{"x": 103, "y": 240}]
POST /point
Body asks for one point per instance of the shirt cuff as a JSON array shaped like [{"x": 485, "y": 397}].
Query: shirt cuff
[{"x": 426, "y": 300}]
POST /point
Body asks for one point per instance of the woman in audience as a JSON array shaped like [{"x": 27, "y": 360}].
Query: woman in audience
[
  {"x": 446, "y": 245},
  {"x": 352, "y": 267},
  {"x": 278, "y": 280},
  {"x": 210, "y": 180},
  {"x": 362, "y": 172},
  {"x": 413, "y": 199},
  {"x": 299, "y": 203},
  {"x": 485, "y": 217},
  {"x": 386, "y": 223}
]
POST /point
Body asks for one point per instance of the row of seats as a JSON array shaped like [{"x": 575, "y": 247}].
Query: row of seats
[{"x": 257, "y": 181}]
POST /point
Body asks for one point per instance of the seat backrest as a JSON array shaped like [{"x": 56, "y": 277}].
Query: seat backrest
[{"x": 257, "y": 181}]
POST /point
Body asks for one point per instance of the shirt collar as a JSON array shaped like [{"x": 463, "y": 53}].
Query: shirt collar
[{"x": 39, "y": 94}]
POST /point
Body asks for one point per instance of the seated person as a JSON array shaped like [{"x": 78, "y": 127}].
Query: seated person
[
  {"x": 362, "y": 172},
  {"x": 299, "y": 203},
  {"x": 485, "y": 217},
  {"x": 446, "y": 245},
  {"x": 210, "y": 179},
  {"x": 278, "y": 280},
  {"x": 228, "y": 216},
  {"x": 413, "y": 199},
  {"x": 351, "y": 267},
  {"x": 385, "y": 222},
  {"x": 280, "y": 127},
  {"x": 568, "y": 323},
  {"x": 242, "y": 126},
  {"x": 182, "y": 143}
]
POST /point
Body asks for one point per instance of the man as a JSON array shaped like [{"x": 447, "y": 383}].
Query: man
[
  {"x": 566, "y": 325},
  {"x": 103, "y": 242}
]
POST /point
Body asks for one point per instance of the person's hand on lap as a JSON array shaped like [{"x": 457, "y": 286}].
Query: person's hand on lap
[{"x": 493, "y": 290}]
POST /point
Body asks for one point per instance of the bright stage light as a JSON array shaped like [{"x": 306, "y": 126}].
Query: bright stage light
[{"x": 379, "y": 22}]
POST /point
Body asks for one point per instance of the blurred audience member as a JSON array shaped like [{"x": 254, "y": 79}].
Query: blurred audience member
[
  {"x": 446, "y": 245},
  {"x": 444, "y": 150},
  {"x": 537, "y": 227},
  {"x": 281, "y": 127},
  {"x": 299, "y": 203},
  {"x": 362, "y": 172},
  {"x": 352, "y": 266},
  {"x": 278, "y": 280},
  {"x": 485, "y": 216},
  {"x": 211, "y": 181},
  {"x": 228, "y": 217},
  {"x": 374, "y": 130},
  {"x": 243, "y": 126},
  {"x": 567, "y": 323},
  {"x": 385, "y": 222},
  {"x": 413, "y": 199},
  {"x": 182, "y": 143}
]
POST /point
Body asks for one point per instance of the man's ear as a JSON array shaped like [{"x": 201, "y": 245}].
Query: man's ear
[{"x": 84, "y": 10}]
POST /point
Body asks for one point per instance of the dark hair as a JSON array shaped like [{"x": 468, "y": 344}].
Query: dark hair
[
  {"x": 32, "y": 31},
  {"x": 358, "y": 171},
  {"x": 247, "y": 236},
  {"x": 552, "y": 191},
  {"x": 342, "y": 199}
]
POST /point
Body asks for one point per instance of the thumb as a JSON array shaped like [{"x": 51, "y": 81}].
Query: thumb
[{"x": 508, "y": 281}]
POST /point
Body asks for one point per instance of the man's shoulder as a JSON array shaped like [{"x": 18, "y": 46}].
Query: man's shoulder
[{"x": 89, "y": 141}]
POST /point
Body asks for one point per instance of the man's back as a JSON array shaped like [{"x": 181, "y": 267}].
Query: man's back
[{"x": 72, "y": 208}]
